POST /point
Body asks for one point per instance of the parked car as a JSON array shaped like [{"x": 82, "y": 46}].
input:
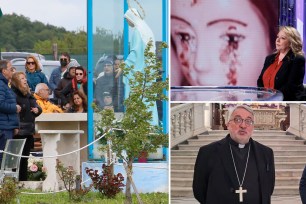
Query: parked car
[
  {"x": 47, "y": 66},
  {"x": 24, "y": 55}
]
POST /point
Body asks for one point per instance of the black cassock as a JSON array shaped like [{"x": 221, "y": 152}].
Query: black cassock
[{"x": 215, "y": 180}]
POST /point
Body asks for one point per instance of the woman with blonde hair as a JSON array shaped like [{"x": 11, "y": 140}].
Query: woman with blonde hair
[
  {"x": 284, "y": 70},
  {"x": 29, "y": 111},
  {"x": 34, "y": 73}
]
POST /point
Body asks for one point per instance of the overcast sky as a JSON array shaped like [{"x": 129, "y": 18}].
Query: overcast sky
[{"x": 70, "y": 14}]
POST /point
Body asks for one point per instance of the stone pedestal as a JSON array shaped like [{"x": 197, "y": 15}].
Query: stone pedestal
[
  {"x": 62, "y": 133},
  {"x": 33, "y": 185},
  {"x": 57, "y": 142}
]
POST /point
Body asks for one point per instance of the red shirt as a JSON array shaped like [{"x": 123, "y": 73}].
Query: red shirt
[{"x": 268, "y": 77}]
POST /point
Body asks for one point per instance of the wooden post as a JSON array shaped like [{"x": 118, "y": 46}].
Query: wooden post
[
  {"x": 128, "y": 174},
  {"x": 54, "y": 50}
]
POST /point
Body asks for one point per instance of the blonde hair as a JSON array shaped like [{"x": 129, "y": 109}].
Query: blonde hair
[
  {"x": 37, "y": 65},
  {"x": 17, "y": 83},
  {"x": 294, "y": 38}
]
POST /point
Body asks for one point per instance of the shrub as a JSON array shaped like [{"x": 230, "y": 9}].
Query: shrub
[
  {"x": 8, "y": 190},
  {"x": 72, "y": 182},
  {"x": 107, "y": 184}
]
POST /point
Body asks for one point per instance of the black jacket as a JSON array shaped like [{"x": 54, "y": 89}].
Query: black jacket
[
  {"x": 66, "y": 93},
  {"x": 302, "y": 186},
  {"x": 214, "y": 173},
  {"x": 27, "y": 118},
  {"x": 289, "y": 78},
  {"x": 62, "y": 84}
]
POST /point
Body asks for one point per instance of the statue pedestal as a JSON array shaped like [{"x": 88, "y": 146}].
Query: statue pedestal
[
  {"x": 62, "y": 133},
  {"x": 224, "y": 93}
]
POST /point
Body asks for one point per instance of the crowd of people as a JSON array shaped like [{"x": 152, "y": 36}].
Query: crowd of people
[{"x": 25, "y": 95}]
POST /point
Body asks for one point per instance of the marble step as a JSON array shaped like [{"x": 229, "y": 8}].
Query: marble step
[
  {"x": 274, "y": 147},
  {"x": 279, "y": 181},
  {"x": 276, "y": 153},
  {"x": 287, "y": 173},
  {"x": 255, "y": 132},
  {"x": 188, "y": 159},
  {"x": 258, "y": 137},
  {"x": 278, "y": 165},
  {"x": 266, "y": 142},
  {"x": 278, "y": 191}
]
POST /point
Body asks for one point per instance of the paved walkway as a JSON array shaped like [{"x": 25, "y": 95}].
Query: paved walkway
[{"x": 275, "y": 200}]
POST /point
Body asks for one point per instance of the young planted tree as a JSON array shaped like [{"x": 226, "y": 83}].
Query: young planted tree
[{"x": 137, "y": 134}]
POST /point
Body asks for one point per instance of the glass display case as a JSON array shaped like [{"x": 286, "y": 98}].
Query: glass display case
[{"x": 224, "y": 93}]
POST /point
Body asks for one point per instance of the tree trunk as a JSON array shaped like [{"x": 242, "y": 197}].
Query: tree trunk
[
  {"x": 109, "y": 158},
  {"x": 128, "y": 195}
]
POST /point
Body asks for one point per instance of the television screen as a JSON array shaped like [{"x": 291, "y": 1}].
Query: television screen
[{"x": 221, "y": 42}]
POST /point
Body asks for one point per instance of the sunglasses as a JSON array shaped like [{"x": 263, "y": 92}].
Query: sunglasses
[
  {"x": 31, "y": 63},
  {"x": 64, "y": 59},
  {"x": 78, "y": 74}
]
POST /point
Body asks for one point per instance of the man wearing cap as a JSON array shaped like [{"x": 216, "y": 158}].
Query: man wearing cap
[
  {"x": 57, "y": 74},
  {"x": 105, "y": 83},
  {"x": 68, "y": 76}
]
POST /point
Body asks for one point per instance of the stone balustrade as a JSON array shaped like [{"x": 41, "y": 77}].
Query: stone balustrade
[
  {"x": 188, "y": 120},
  {"x": 298, "y": 120}
]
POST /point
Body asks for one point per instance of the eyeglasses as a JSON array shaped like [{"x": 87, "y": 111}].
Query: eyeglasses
[
  {"x": 10, "y": 69},
  {"x": 30, "y": 63},
  {"x": 64, "y": 59},
  {"x": 78, "y": 74},
  {"x": 239, "y": 121}
]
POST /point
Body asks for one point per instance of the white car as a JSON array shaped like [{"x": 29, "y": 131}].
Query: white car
[{"x": 24, "y": 55}]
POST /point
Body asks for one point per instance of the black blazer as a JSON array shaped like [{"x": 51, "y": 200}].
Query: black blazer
[
  {"x": 302, "y": 186},
  {"x": 289, "y": 78},
  {"x": 214, "y": 173}
]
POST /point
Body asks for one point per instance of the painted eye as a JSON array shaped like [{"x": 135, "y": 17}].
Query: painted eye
[
  {"x": 232, "y": 39},
  {"x": 186, "y": 40},
  {"x": 184, "y": 37}
]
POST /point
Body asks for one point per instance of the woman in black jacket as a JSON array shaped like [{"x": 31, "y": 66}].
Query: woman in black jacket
[
  {"x": 285, "y": 69},
  {"x": 29, "y": 110}
]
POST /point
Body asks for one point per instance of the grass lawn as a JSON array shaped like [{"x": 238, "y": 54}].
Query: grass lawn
[{"x": 91, "y": 197}]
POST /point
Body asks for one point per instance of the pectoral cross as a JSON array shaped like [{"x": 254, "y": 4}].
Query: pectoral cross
[{"x": 241, "y": 191}]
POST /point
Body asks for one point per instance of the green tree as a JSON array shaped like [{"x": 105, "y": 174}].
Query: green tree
[
  {"x": 18, "y": 33},
  {"x": 135, "y": 134}
]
